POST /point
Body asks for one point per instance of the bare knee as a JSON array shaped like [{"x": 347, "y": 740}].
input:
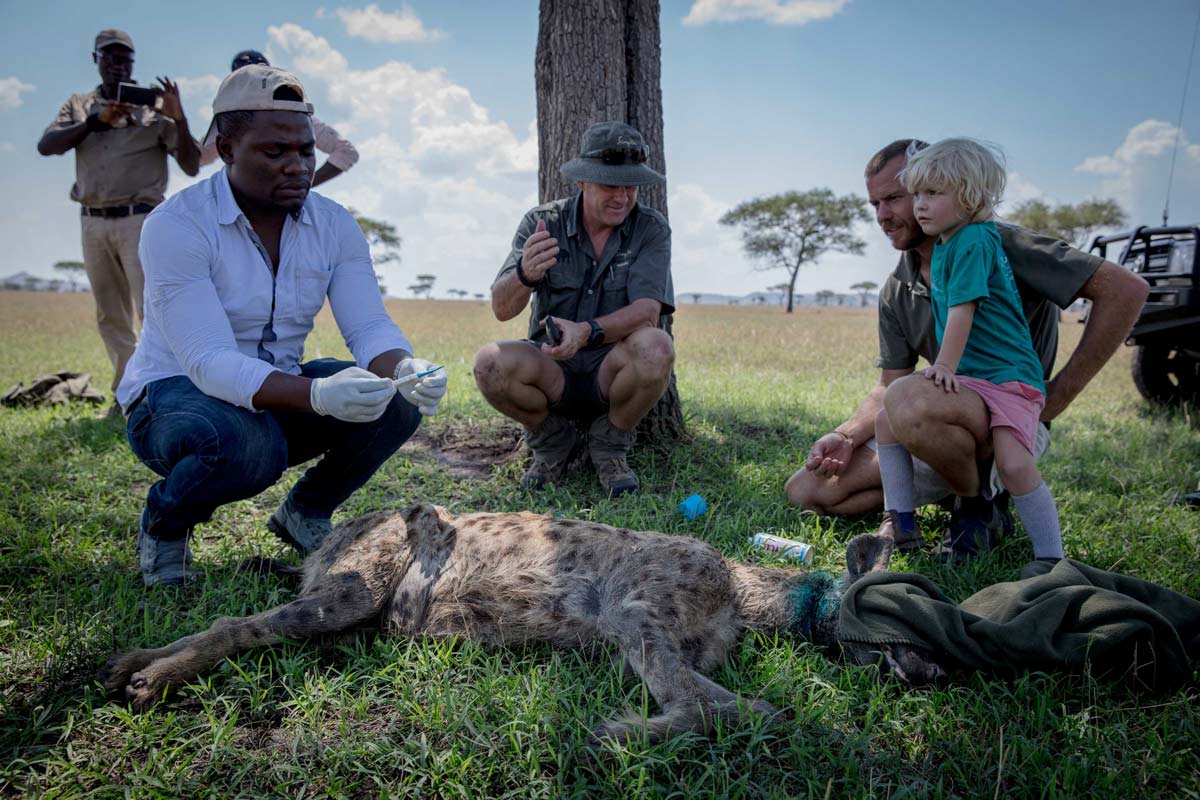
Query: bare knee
[
  {"x": 489, "y": 376},
  {"x": 1017, "y": 468},
  {"x": 654, "y": 353}
]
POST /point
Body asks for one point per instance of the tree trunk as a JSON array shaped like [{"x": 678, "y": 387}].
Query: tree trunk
[{"x": 600, "y": 60}]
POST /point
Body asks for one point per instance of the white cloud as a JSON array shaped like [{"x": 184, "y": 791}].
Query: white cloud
[
  {"x": 375, "y": 25},
  {"x": 200, "y": 91},
  {"x": 1135, "y": 173},
  {"x": 775, "y": 12},
  {"x": 1018, "y": 190},
  {"x": 453, "y": 181},
  {"x": 11, "y": 90}
]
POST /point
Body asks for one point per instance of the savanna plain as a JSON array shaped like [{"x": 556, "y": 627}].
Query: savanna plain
[{"x": 375, "y": 717}]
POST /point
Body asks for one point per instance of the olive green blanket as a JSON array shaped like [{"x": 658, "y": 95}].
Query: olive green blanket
[{"x": 1066, "y": 617}]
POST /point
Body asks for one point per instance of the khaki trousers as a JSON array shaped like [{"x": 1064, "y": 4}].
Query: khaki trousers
[{"x": 110, "y": 254}]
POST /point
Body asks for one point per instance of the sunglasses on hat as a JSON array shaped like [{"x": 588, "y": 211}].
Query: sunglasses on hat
[{"x": 616, "y": 156}]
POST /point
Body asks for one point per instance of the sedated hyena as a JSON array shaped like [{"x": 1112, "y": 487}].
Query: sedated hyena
[{"x": 672, "y": 605}]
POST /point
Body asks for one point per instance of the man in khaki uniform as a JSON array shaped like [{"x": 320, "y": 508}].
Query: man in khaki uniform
[
  {"x": 952, "y": 450},
  {"x": 120, "y": 176}
]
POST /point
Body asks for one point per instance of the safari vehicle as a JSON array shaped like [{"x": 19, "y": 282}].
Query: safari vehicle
[{"x": 1166, "y": 366}]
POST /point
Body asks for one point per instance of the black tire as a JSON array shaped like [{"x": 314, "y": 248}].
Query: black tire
[{"x": 1166, "y": 375}]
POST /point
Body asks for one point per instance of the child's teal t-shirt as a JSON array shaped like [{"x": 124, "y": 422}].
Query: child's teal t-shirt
[{"x": 972, "y": 267}]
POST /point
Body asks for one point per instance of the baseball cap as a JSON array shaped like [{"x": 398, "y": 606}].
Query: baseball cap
[
  {"x": 247, "y": 57},
  {"x": 113, "y": 36},
  {"x": 252, "y": 88}
]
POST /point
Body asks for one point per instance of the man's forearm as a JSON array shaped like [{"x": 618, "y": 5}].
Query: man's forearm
[
  {"x": 861, "y": 425},
  {"x": 284, "y": 392},
  {"x": 187, "y": 154},
  {"x": 62, "y": 140},
  {"x": 509, "y": 297},
  {"x": 326, "y": 172},
  {"x": 1117, "y": 297},
  {"x": 642, "y": 313}
]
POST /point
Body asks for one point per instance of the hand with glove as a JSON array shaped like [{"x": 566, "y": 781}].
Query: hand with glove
[
  {"x": 425, "y": 392},
  {"x": 352, "y": 395}
]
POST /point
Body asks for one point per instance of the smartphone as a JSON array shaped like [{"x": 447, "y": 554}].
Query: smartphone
[
  {"x": 552, "y": 332},
  {"x": 136, "y": 95}
]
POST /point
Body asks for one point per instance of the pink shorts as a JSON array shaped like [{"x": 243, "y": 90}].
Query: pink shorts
[{"x": 1011, "y": 404}]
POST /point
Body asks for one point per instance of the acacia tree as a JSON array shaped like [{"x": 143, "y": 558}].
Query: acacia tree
[
  {"x": 783, "y": 290},
  {"x": 787, "y": 231},
  {"x": 864, "y": 288},
  {"x": 74, "y": 270},
  {"x": 383, "y": 241},
  {"x": 824, "y": 296},
  {"x": 600, "y": 60},
  {"x": 1074, "y": 224}
]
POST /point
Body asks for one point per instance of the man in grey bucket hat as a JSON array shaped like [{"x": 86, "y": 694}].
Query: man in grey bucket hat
[{"x": 597, "y": 267}]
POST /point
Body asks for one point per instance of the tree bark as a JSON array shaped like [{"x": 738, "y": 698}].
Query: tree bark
[{"x": 600, "y": 60}]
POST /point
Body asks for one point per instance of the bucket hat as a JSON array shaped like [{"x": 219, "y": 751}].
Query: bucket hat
[{"x": 613, "y": 154}]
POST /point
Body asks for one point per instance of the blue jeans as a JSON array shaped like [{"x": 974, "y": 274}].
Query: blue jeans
[{"x": 210, "y": 452}]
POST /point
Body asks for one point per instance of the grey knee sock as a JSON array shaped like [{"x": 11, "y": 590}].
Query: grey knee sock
[
  {"x": 896, "y": 469},
  {"x": 1040, "y": 517}
]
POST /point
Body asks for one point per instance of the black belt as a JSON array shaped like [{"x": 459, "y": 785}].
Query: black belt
[{"x": 110, "y": 212}]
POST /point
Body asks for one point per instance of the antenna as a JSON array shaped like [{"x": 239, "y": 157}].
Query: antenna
[{"x": 1187, "y": 76}]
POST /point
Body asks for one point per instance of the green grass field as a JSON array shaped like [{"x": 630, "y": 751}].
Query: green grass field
[{"x": 375, "y": 717}]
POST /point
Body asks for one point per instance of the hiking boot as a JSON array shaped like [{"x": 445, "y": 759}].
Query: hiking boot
[
  {"x": 550, "y": 444},
  {"x": 975, "y": 526},
  {"x": 303, "y": 533},
  {"x": 907, "y": 537},
  {"x": 164, "y": 562},
  {"x": 609, "y": 448}
]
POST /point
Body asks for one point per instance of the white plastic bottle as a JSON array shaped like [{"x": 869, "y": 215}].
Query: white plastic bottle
[{"x": 788, "y": 548}]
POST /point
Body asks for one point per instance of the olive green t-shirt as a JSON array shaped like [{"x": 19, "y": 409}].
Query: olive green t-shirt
[{"x": 1049, "y": 275}]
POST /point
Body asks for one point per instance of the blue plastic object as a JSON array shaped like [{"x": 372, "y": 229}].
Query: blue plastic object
[{"x": 693, "y": 507}]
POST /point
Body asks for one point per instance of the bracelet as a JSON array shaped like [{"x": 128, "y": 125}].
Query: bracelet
[
  {"x": 844, "y": 436},
  {"x": 524, "y": 279}
]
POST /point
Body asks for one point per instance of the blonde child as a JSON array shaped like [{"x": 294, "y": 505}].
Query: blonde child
[{"x": 983, "y": 339}]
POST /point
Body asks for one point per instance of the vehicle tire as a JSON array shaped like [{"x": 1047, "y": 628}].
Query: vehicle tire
[{"x": 1167, "y": 375}]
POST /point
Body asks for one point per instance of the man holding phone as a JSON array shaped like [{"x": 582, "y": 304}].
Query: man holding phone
[
  {"x": 597, "y": 267},
  {"x": 121, "y": 134}
]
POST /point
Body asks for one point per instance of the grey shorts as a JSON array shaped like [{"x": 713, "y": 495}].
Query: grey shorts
[
  {"x": 930, "y": 487},
  {"x": 581, "y": 399}
]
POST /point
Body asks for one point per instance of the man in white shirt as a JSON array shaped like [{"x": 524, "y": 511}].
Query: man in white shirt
[
  {"x": 237, "y": 267},
  {"x": 342, "y": 154}
]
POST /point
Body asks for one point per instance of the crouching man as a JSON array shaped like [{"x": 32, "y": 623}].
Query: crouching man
[
  {"x": 598, "y": 269},
  {"x": 237, "y": 267}
]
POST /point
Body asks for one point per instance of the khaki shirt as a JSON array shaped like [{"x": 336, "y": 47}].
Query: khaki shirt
[
  {"x": 122, "y": 166},
  {"x": 1049, "y": 273},
  {"x": 636, "y": 263}
]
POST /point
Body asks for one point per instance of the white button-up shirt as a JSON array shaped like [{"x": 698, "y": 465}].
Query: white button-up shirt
[{"x": 210, "y": 292}]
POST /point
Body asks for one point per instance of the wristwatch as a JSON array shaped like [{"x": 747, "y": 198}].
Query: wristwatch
[{"x": 596, "y": 337}]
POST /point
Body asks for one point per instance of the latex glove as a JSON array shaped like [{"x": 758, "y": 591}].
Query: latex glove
[
  {"x": 352, "y": 395},
  {"x": 425, "y": 393}
]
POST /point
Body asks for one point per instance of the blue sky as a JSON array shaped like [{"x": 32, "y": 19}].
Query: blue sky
[{"x": 760, "y": 96}]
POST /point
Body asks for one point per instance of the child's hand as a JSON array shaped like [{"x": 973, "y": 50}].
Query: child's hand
[{"x": 943, "y": 376}]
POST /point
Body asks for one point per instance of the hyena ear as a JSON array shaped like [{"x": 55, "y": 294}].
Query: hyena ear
[
  {"x": 425, "y": 520},
  {"x": 868, "y": 552}
]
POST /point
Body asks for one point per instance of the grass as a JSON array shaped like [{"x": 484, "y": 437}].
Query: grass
[{"x": 376, "y": 717}]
